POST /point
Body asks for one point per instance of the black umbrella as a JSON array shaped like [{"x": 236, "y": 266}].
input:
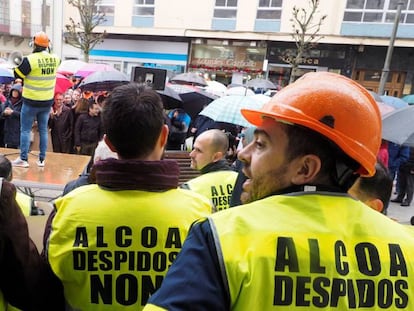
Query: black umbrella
[
  {"x": 170, "y": 98},
  {"x": 103, "y": 81}
]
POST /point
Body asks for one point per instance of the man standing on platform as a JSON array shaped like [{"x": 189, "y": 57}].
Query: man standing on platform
[{"x": 39, "y": 73}]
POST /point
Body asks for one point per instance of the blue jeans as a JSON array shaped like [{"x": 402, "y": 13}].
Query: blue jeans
[{"x": 27, "y": 117}]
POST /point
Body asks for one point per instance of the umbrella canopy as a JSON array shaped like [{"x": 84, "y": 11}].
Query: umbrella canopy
[
  {"x": 170, "y": 98},
  {"x": 409, "y": 99},
  {"x": 376, "y": 96},
  {"x": 6, "y": 76},
  {"x": 70, "y": 66},
  {"x": 227, "y": 108},
  {"x": 397, "y": 126},
  {"x": 394, "y": 101},
  {"x": 103, "y": 81},
  {"x": 260, "y": 83},
  {"x": 62, "y": 83},
  {"x": 90, "y": 68},
  {"x": 194, "y": 99},
  {"x": 239, "y": 90},
  {"x": 216, "y": 88},
  {"x": 384, "y": 108},
  {"x": 191, "y": 78}
]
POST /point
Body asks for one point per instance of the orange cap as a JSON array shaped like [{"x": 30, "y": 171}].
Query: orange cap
[{"x": 334, "y": 106}]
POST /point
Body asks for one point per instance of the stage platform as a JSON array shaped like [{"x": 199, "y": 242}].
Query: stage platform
[{"x": 59, "y": 169}]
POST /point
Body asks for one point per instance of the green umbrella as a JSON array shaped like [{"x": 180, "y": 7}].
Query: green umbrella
[{"x": 409, "y": 99}]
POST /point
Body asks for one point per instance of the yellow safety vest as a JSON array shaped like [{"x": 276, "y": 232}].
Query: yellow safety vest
[
  {"x": 216, "y": 186},
  {"x": 25, "y": 202},
  {"x": 112, "y": 249},
  {"x": 39, "y": 84},
  {"x": 314, "y": 252}
]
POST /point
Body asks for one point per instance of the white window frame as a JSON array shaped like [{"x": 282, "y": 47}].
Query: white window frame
[
  {"x": 225, "y": 7},
  {"x": 145, "y": 5},
  {"x": 106, "y": 4},
  {"x": 272, "y": 6},
  {"x": 387, "y": 15}
]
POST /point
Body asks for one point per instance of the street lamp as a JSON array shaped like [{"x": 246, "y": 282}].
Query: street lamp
[{"x": 386, "y": 69}]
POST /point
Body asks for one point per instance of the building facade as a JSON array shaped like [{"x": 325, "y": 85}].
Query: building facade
[{"x": 235, "y": 40}]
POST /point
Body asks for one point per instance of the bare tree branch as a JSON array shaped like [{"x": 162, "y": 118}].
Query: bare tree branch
[{"x": 80, "y": 34}]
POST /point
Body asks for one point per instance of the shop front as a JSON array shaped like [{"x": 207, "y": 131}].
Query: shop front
[
  {"x": 227, "y": 61},
  {"x": 323, "y": 57}
]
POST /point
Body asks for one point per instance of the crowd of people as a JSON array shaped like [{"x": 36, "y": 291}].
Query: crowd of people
[{"x": 294, "y": 223}]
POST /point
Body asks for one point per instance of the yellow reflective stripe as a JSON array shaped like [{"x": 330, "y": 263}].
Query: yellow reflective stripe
[
  {"x": 36, "y": 88},
  {"x": 151, "y": 307},
  {"x": 41, "y": 77},
  {"x": 19, "y": 72}
]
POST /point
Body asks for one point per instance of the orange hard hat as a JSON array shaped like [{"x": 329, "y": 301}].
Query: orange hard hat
[
  {"x": 41, "y": 39},
  {"x": 336, "y": 107}
]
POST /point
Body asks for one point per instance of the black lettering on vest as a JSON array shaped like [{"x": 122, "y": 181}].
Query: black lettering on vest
[
  {"x": 47, "y": 71},
  {"x": 92, "y": 260},
  {"x": 302, "y": 290},
  {"x": 229, "y": 188},
  {"x": 149, "y": 237},
  {"x": 368, "y": 259},
  {"x": 81, "y": 237},
  {"x": 214, "y": 191},
  {"x": 126, "y": 289},
  {"x": 221, "y": 190},
  {"x": 100, "y": 237},
  {"x": 283, "y": 291},
  {"x": 397, "y": 261},
  {"x": 149, "y": 288},
  {"x": 351, "y": 295},
  {"x": 286, "y": 255},
  {"x": 315, "y": 259},
  {"x": 385, "y": 293},
  {"x": 402, "y": 300},
  {"x": 105, "y": 260},
  {"x": 101, "y": 290},
  {"x": 143, "y": 261},
  {"x": 171, "y": 257},
  {"x": 159, "y": 263},
  {"x": 79, "y": 260},
  {"x": 342, "y": 267},
  {"x": 338, "y": 291},
  {"x": 366, "y": 293},
  {"x": 120, "y": 236},
  {"x": 319, "y": 285},
  {"x": 120, "y": 257},
  {"x": 173, "y": 238}
]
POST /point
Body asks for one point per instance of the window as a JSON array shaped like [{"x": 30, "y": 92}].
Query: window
[
  {"x": 26, "y": 14},
  {"x": 378, "y": 11},
  {"x": 269, "y": 9},
  {"x": 225, "y": 9},
  {"x": 4, "y": 12},
  {"x": 106, "y": 6},
  {"x": 143, "y": 8}
]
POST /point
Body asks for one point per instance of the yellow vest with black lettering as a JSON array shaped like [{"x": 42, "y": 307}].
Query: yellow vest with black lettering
[
  {"x": 3, "y": 303},
  {"x": 314, "y": 252},
  {"x": 112, "y": 249},
  {"x": 216, "y": 186},
  {"x": 39, "y": 84},
  {"x": 25, "y": 202}
]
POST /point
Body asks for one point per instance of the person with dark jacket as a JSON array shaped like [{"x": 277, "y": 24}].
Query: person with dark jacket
[
  {"x": 11, "y": 114},
  {"x": 406, "y": 181},
  {"x": 61, "y": 126},
  {"x": 88, "y": 130}
]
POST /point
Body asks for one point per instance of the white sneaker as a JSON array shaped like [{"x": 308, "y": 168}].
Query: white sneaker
[
  {"x": 40, "y": 163},
  {"x": 20, "y": 163}
]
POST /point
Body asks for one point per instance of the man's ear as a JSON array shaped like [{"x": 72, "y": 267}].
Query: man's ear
[
  {"x": 306, "y": 168},
  {"x": 108, "y": 142},
  {"x": 375, "y": 204},
  {"x": 162, "y": 140},
  {"x": 217, "y": 156}
]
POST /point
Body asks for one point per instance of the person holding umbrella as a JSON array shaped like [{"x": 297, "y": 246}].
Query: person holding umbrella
[{"x": 38, "y": 70}]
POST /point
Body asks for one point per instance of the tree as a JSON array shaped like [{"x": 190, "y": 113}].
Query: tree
[
  {"x": 305, "y": 34},
  {"x": 80, "y": 34}
]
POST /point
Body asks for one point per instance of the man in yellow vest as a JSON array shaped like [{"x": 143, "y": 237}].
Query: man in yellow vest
[
  {"x": 39, "y": 73},
  {"x": 111, "y": 243},
  {"x": 299, "y": 241},
  {"x": 217, "y": 178}
]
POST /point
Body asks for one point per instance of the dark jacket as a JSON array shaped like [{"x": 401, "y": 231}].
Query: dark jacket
[
  {"x": 26, "y": 281},
  {"x": 12, "y": 122},
  {"x": 88, "y": 129},
  {"x": 62, "y": 131}
]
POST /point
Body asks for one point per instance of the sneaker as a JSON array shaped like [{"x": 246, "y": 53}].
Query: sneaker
[
  {"x": 40, "y": 163},
  {"x": 20, "y": 163}
]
